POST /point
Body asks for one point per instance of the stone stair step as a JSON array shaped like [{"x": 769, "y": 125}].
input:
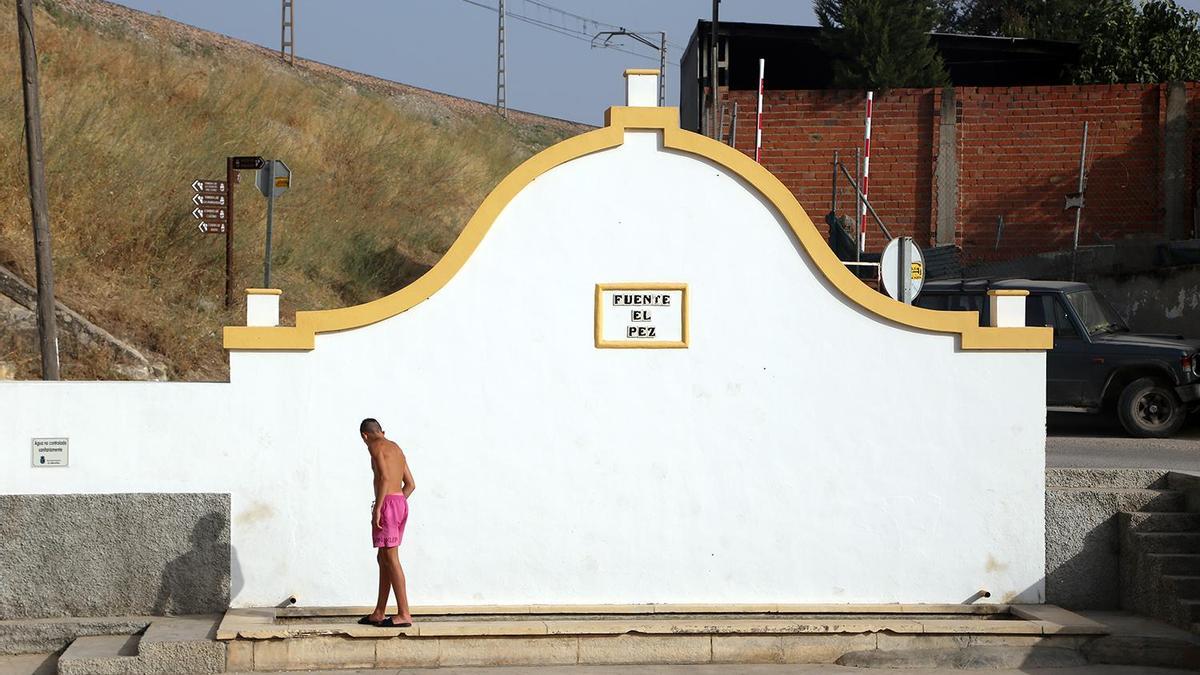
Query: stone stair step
[
  {"x": 100, "y": 655},
  {"x": 1180, "y": 564},
  {"x": 1167, "y": 542},
  {"x": 28, "y": 664},
  {"x": 1151, "y": 500},
  {"x": 1106, "y": 478},
  {"x": 186, "y": 643},
  {"x": 1184, "y": 587},
  {"x": 1189, "y": 612},
  {"x": 1160, "y": 521}
]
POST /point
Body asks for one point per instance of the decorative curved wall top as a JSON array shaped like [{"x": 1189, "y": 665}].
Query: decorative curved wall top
[{"x": 617, "y": 120}]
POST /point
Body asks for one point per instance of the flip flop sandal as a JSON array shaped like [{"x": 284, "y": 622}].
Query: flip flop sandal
[
  {"x": 366, "y": 621},
  {"x": 388, "y": 623}
]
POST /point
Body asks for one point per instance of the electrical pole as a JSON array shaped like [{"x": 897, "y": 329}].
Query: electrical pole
[
  {"x": 662, "y": 70},
  {"x": 47, "y": 329},
  {"x": 713, "y": 123},
  {"x": 501, "y": 94},
  {"x": 287, "y": 32}
]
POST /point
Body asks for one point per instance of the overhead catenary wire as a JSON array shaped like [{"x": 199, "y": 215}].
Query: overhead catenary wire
[{"x": 581, "y": 35}]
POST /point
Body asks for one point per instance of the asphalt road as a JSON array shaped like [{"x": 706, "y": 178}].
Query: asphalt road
[{"x": 1089, "y": 441}]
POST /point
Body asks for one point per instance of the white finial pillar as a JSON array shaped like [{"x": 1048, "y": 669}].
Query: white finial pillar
[
  {"x": 641, "y": 87},
  {"x": 1007, "y": 307},
  {"x": 262, "y": 306}
]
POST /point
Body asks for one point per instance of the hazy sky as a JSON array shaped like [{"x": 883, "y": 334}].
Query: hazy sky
[{"x": 450, "y": 45}]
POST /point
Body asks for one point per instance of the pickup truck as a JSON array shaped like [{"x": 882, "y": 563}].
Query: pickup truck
[{"x": 1098, "y": 365}]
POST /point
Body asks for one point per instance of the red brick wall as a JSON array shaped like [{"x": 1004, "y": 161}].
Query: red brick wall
[
  {"x": 802, "y": 129},
  {"x": 1018, "y": 156}
]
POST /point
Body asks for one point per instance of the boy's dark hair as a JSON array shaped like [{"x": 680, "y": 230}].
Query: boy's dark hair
[{"x": 369, "y": 425}]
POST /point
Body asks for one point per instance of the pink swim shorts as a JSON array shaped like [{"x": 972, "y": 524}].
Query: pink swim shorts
[{"x": 392, "y": 518}]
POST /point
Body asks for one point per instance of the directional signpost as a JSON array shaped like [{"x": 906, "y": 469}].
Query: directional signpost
[
  {"x": 213, "y": 206},
  {"x": 273, "y": 179}
]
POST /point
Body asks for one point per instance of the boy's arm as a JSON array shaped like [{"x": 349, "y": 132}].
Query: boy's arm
[
  {"x": 379, "y": 468},
  {"x": 409, "y": 484}
]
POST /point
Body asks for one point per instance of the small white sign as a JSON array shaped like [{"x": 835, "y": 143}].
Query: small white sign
[
  {"x": 49, "y": 452},
  {"x": 646, "y": 315}
]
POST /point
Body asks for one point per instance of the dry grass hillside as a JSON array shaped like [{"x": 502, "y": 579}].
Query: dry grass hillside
[{"x": 135, "y": 107}]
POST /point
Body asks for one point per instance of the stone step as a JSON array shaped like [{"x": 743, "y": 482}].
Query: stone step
[
  {"x": 1106, "y": 478},
  {"x": 28, "y": 664},
  {"x": 1178, "y": 564},
  {"x": 1160, "y": 521},
  {"x": 266, "y": 639},
  {"x": 44, "y": 636},
  {"x": 182, "y": 645},
  {"x": 100, "y": 655},
  {"x": 966, "y": 658},
  {"x": 1189, "y": 612},
  {"x": 1167, "y": 542},
  {"x": 187, "y": 643},
  {"x": 1183, "y": 587},
  {"x": 1151, "y": 500}
]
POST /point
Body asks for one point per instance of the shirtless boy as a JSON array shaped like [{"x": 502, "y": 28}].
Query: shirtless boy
[{"x": 393, "y": 485}]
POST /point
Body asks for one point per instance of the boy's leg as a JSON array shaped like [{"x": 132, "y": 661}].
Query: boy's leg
[
  {"x": 397, "y": 579},
  {"x": 385, "y": 587}
]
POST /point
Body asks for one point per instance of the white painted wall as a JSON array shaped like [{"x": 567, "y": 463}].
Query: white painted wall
[{"x": 801, "y": 450}]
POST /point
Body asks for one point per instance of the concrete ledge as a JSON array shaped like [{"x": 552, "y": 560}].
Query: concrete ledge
[
  {"x": 271, "y": 623},
  {"x": 267, "y": 639},
  {"x": 662, "y": 608}
]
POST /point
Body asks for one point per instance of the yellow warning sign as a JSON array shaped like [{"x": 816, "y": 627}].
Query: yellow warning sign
[{"x": 918, "y": 270}]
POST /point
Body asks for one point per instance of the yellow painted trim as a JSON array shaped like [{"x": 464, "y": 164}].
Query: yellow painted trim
[
  {"x": 263, "y": 291},
  {"x": 601, "y": 343},
  {"x": 641, "y": 71},
  {"x": 1005, "y": 292},
  {"x": 618, "y": 120}
]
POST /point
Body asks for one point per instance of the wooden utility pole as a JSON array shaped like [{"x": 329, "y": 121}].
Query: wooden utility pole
[{"x": 47, "y": 330}]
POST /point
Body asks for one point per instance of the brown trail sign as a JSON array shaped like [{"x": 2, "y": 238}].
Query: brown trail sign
[
  {"x": 209, "y": 199},
  {"x": 211, "y": 228},
  {"x": 213, "y": 186},
  {"x": 211, "y": 215}
]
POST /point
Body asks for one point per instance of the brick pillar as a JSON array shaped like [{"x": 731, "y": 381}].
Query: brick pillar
[
  {"x": 1175, "y": 156},
  {"x": 947, "y": 169}
]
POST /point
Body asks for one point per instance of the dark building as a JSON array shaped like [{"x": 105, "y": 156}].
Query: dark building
[{"x": 795, "y": 61}]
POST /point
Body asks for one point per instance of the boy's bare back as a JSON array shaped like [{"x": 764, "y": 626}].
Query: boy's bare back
[{"x": 389, "y": 464}]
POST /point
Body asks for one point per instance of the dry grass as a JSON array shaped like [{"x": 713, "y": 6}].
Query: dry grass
[{"x": 380, "y": 187}]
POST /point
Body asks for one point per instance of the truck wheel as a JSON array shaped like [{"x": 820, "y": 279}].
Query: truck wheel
[{"x": 1149, "y": 409}]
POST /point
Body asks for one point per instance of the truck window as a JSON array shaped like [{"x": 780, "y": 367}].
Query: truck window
[
  {"x": 955, "y": 302},
  {"x": 931, "y": 301},
  {"x": 1046, "y": 310}
]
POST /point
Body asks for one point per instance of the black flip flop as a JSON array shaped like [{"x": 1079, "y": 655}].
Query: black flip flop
[
  {"x": 366, "y": 621},
  {"x": 388, "y": 623}
]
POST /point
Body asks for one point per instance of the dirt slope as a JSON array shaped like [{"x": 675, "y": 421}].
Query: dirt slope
[{"x": 135, "y": 107}]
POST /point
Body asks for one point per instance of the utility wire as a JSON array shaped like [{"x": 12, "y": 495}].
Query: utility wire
[{"x": 581, "y": 35}]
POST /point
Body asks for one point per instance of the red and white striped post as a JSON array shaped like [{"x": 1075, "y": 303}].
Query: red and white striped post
[
  {"x": 866, "y": 176},
  {"x": 762, "y": 67}
]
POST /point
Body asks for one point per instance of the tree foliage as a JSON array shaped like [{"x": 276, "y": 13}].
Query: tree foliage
[
  {"x": 1119, "y": 40},
  {"x": 881, "y": 44}
]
